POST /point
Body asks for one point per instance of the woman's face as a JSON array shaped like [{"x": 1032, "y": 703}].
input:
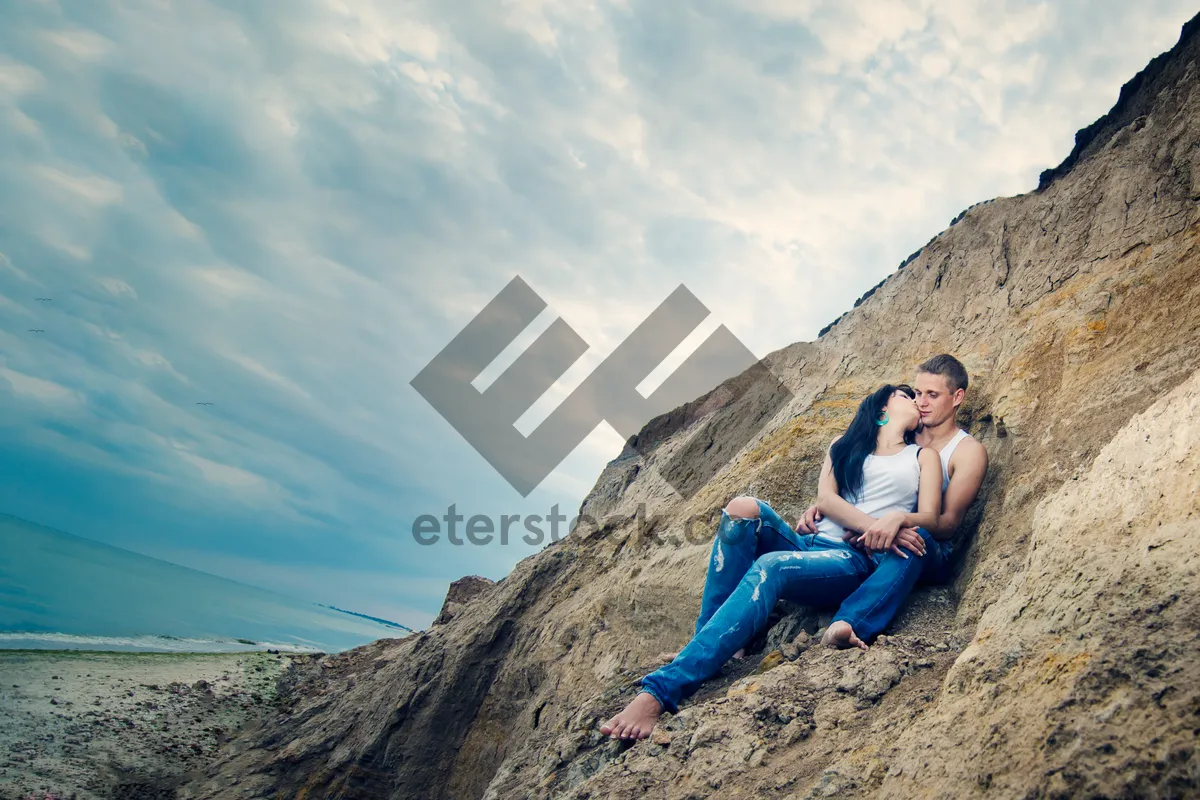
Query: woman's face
[{"x": 903, "y": 409}]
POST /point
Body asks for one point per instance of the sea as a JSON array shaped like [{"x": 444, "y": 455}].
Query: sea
[{"x": 64, "y": 592}]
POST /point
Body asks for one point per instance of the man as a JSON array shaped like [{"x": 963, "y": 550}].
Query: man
[
  {"x": 941, "y": 386},
  {"x": 940, "y": 389}
]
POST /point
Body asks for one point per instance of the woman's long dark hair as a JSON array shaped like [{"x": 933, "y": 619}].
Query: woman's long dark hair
[{"x": 850, "y": 452}]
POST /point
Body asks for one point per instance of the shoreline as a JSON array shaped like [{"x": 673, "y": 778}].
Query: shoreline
[
  {"x": 11, "y": 641},
  {"x": 83, "y": 723}
]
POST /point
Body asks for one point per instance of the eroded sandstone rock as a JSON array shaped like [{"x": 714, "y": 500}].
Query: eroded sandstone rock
[{"x": 462, "y": 591}]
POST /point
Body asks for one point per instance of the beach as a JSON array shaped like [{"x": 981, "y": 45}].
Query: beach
[{"x": 84, "y": 725}]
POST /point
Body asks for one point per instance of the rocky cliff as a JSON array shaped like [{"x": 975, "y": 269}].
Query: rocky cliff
[{"x": 1062, "y": 662}]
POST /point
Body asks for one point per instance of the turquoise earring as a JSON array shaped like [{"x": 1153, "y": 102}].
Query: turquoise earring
[{"x": 882, "y": 422}]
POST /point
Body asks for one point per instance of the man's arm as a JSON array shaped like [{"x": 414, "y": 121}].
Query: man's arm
[
  {"x": 970, "y": 465},
  {"x": 809, "y": 519}
]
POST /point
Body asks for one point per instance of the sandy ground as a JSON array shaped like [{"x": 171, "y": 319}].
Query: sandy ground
[{"x": 121, "y": 725}]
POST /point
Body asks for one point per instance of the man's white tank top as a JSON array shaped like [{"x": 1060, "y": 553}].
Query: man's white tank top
[
  {"x": 945, "y": 454},
  {"x": 890, "y": 483}
]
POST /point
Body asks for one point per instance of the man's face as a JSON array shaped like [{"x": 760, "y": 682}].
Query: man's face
[{"x": 935, "y": 401}]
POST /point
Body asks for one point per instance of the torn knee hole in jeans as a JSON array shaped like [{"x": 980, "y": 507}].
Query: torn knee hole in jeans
[
  {"x": 737, "y": 518},
  {"x": 757, "y": 527},
  {"x": 751, "y": 505}
]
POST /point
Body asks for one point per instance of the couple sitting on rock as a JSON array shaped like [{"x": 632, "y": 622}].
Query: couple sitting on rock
[{"x": 892, "y": 492}]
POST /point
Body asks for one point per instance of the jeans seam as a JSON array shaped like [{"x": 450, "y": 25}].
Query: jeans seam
[{"x": 812, "y": 578}]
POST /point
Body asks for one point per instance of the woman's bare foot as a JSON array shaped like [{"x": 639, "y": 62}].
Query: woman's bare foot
[
  {"x": 839, "y": 634},
  {"x": 636, "y": 720}
]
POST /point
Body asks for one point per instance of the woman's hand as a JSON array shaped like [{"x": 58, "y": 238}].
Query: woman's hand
[{"x": 881, "y": 535}]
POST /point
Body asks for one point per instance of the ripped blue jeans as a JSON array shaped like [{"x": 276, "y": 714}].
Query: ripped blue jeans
[{"x": 754, "y": 563}]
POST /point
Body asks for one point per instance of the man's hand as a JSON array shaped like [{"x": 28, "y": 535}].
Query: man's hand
[
  {"x": 908, "y": 539},
  {"x": 808, "y": 521},
  {"x": 881, "y": 536}
]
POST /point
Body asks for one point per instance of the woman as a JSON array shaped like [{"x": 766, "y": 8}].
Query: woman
[{"x": 871, "y": 471}]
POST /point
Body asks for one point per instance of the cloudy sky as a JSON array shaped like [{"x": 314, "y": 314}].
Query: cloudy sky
[{"x": 287, "y": 209}]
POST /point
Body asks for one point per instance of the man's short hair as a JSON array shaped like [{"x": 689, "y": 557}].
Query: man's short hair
[{"x": 949, "y": 368}]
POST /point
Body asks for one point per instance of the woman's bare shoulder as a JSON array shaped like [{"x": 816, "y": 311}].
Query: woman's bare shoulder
[{"x": 927, "y": 457}]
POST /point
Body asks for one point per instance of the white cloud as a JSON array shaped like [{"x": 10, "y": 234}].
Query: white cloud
[
  {"x": 225, "y": 475},
  {"x": 531, "y": 18},
  {"x": 21, "y": 122},
  {"x": 7, "y": 264},
  {"x": 75, "y": 251},
  {"x": 229, "y": 281},
  {"x": 181, "y": 225},
  {"x": 374, "y": 32},
  {"x": 39, "y": 389},
  {"x": 283, "y": 118},
  {"x": 157, "y": 360},
  {"x": 14, "y": 308},
  {"x": 103, "y": 333},
  {"x": 17, "y": 78},
  {"x": 251, "y": 365},
  {"x": 82, "y": 44},
  {"x": 74, "y": 449},
  {"x": 117, "y": 287},
  {"x": 92, "y": 189}
]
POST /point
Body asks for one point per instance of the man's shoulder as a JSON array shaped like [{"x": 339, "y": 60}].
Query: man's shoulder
[
  {"x": 969, "y": 449},
  {"x": 971, "y": 444}
]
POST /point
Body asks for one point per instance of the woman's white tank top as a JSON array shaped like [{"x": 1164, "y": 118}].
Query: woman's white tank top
[{"x": 890, "y": 483}]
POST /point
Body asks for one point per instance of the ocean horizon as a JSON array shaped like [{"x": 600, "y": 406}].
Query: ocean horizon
[{"x": 59, "y": 591}]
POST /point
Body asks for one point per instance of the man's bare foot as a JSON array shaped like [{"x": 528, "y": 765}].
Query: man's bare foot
[
  {"x": 839, "y": 634},
  {"x": 636, "y": 720},
  {"x": 740, "y": 654}
]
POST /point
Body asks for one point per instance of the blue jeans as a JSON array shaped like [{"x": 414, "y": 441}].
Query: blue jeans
[{"x": 755, "y": 562}]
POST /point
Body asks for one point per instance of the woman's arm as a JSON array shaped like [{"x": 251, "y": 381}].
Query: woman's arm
[
  {"x": 881, "y": 534},
  {"x": 970, "y": 465},
  {"x": 833, "y": 505}
]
